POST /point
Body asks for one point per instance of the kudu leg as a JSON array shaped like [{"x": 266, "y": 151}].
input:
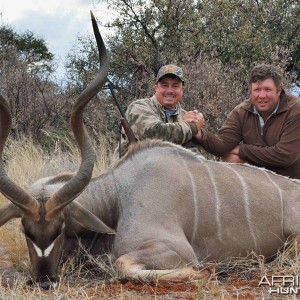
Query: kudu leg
[{"x": 142, "y": 265}]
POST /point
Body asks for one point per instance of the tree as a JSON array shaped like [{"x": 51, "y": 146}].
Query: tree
[
  {"x": 36, "y": 101},
  {"x": 83, "y": 66},
  {"x": 28, "y": 47},
  {"x": 251, "y": 31},
  {"x": 147, "y": 35},
  {"x": 239, "y": 33}
]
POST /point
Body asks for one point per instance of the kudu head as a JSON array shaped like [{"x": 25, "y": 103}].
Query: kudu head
[{"x": 43, "y": 215}]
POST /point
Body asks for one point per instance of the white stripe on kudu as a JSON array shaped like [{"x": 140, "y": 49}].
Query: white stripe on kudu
[
  {"x": 218, "y": 202},
  {"x": 195, "y": 197},
  {"x": 41, "y": 253},
  {"x": 280, "y": 196},
  {"x": 246, "y": 202}
]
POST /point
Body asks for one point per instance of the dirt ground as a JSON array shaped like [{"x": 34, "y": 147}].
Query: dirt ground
[
  {"x": 238, "y": 285},
  {"x": 232, "y": 288}
]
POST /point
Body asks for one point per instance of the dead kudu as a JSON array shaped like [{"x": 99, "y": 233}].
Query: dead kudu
[{"x": 166, "y": 209}]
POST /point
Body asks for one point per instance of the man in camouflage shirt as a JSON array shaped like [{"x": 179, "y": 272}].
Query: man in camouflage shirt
[{"x": 161, "y": 116}]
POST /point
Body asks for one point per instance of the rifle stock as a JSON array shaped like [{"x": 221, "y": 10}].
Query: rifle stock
[{"x": 128, "y": 131}]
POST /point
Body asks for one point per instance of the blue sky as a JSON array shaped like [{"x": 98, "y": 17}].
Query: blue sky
[{"x": 58, "y": 22}]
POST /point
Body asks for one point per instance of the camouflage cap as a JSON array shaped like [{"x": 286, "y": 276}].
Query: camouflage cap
[{"x": 169, "y": 69}]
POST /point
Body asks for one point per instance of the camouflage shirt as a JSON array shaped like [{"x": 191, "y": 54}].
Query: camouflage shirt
[{"x": 148, "y": 119}]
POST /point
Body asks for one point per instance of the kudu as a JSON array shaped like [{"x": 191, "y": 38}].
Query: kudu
[{"x": 169, "y": 208}]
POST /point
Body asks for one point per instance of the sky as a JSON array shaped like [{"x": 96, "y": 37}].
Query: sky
[{"x": 58, "y": 22}]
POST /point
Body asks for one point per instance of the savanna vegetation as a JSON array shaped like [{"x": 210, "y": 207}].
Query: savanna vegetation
[{"x": 216, "y": 42}]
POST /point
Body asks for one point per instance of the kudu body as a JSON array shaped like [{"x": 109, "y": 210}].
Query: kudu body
[{"x": 170, "y": 209}]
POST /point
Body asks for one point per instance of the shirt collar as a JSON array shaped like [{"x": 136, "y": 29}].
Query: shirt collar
[
  {"x": 261, "y": 120},
  {"x": 163, "y": 109},
  {"x": 171, "y": 112}
]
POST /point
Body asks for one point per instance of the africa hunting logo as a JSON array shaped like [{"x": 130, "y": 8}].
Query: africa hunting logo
[{"x": 281, "y": 284}]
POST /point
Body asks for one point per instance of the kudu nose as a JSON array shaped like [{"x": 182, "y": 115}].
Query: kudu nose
[{"x": 46, "y": 285}]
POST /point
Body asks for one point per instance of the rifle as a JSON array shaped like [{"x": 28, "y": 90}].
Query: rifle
[{"x": 128, "y": 131}]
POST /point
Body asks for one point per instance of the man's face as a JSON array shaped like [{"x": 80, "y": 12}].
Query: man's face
[
  {"x": 265, "y": 96},
  {"x": 169, "y": 91}
]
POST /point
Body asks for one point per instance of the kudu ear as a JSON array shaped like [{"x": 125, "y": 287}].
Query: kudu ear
[
  {"x": 8, "y": 212},
  {"x": 86, "y": 219}
]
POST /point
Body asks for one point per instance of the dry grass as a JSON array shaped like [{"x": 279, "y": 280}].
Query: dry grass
[{"x": 26, "y": 162}]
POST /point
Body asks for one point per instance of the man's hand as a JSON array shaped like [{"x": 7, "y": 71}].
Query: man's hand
[
  {"x": 190, "y": 116},
  {"x": 233, "y": 156},
  {"x": 198, "y": 136},
  {"x": 194, "y": 116}
]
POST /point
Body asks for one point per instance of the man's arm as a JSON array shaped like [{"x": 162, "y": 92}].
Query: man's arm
[
  {"x": 145, "y": 123},
  {"x": 233, "y": 156},
  {"x": 228, "y": 137},
  {"x": 283, "y": 154}
]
